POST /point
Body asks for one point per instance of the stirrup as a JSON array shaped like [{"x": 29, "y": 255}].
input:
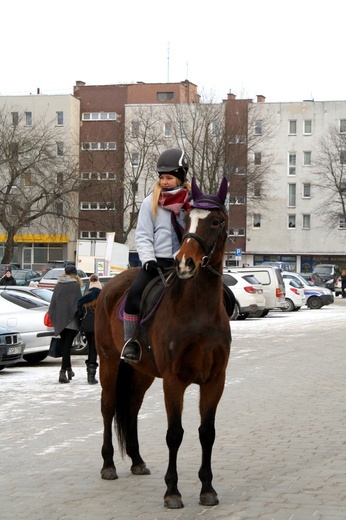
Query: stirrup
[{"x": 137, "y": 345}]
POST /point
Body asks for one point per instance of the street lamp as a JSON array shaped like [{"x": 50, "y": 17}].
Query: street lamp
[{"x": 231, "y": 240}]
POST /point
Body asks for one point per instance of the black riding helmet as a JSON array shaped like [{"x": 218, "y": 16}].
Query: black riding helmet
[{"x": 175, "y": 162}]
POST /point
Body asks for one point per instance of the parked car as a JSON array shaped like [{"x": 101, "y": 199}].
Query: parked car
[
  {"x": 50, "y": 279},
  {"x": 11, "y": 347},
  {"x": 295, "y": 296},
  {"x": 55, "y": 263},
  {"x": 316, "y": 297},
  {"x": 329, "y": 273},
  {"x": 248, "y": 293},
  {"x": 38, "y": 292},
  {"x": 25, "y": 313},
  {"x": 85, "y": 282},
  {"x": 3, "y": 268},
  {"x": 272, "y": 284},
  {"x": 25, "y": 276},
  {"x": 284, "y": 266}
]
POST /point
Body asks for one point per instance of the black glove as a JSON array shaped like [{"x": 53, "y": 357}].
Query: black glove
[{"x": 151, "y": 266}]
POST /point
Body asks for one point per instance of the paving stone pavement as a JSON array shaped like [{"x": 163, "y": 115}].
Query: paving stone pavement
[{"x": 280, "y": 444}]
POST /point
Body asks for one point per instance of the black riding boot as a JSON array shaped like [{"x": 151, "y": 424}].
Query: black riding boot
[
  {"x": 132, "y": 351},
  {"x": 91, "y": 371}
]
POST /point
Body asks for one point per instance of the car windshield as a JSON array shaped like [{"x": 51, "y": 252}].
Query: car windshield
[
  {"x": 19, "y": 275},
  {"x": 26, "y": 301},
  {"x": 53, "y": 274},
  {"x": 323, "y": 270}
]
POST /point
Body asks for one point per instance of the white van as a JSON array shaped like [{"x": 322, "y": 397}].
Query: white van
[{"x": 272, "y": 282}]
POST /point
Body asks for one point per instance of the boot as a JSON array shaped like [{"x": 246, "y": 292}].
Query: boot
[
  {"x": 70, "y": 373},
  {"x": 91, "y": 371},
  {"x": 62, "y": 376},
  {"x": 132, "y": 351}
]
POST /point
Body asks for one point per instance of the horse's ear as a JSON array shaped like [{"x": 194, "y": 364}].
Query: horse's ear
[
  {"x": 195, "y": 191},
  {"x": 222, "y": 193}
]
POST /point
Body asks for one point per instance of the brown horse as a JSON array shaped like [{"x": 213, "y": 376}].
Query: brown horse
[{"x": 189, "y": 337}]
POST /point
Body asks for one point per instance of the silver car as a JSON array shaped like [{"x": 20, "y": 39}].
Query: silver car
[{"x": 25, "y": 313}]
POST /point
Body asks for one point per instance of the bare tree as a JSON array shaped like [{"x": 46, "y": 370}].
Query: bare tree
[
  {"x": 330, "y": 170},
  {"x": 39, "y": 179}
]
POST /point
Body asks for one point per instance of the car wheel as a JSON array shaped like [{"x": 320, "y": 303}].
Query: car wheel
[
  {"x": 296, "y": 309},
  {"x": 80, "y": 345},
  {"x": 235, "y": 312},
  {"x": 35, "y": 358},
  {"x": 314, "y": 302},
  {"x": 2, "y": 367},
  {"x": 290, "y": 305},
  {"x": 243, "y": 316}
]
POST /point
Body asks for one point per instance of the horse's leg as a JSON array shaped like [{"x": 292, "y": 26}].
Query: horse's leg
[
  {"x": 108, "y": 371},
  {"x": 174, "y": 396},
  {"x": 210, "y": 395},
  {"x": 140, "y": 385}
]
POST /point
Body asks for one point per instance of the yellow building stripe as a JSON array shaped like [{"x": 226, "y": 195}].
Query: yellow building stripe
[{"x": 37, "y": 238}]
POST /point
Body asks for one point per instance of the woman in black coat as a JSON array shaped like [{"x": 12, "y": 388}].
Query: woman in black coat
[
  {"x": 63, "y": 314},
  {"x": 86, "y": 311},
  {"x": 8, "y": 279}
]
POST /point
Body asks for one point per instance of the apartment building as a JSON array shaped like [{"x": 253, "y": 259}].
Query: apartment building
[
  {"x": 300, "y": 220},
  {"x": 46, "y": 126}
]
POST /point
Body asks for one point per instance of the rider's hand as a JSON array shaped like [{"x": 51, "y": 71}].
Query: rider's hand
[{"x": 151, "y": 266}]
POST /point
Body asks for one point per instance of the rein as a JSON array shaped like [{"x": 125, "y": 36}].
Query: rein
[{"x": 207, "y": 251}]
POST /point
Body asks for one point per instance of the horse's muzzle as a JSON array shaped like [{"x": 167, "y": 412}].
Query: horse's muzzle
[{"x": 186, "y": 267}]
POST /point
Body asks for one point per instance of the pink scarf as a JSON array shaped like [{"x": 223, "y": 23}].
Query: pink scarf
[{"x": 175, "y": 201}]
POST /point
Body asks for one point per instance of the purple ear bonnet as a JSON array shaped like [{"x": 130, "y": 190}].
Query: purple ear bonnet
[{"x": 199, "y": 200}]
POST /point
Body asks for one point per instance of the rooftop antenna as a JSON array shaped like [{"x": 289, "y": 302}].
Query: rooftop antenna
[{"x": 168, "y": 62}]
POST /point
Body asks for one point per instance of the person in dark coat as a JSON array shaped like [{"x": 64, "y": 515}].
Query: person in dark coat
[
  {"x": 86, "y": 311},
  {"x": 343, "y": 283},
  {"x": 8, "y": 279},
  {"x": 63, "y": 314}
]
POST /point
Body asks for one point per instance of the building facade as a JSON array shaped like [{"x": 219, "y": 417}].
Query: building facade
[{"x": 44, "y": 132}]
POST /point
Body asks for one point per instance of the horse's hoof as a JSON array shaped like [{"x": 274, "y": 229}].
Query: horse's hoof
[
  {"x": 208, "y": 499},
  {"x": 109, "y": 473},
  {"x": 173, "y": 502},
  {"x": 140, "y": 469}
]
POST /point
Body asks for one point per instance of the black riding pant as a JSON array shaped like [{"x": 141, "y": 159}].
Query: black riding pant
[{"x": 142, "y": 279}]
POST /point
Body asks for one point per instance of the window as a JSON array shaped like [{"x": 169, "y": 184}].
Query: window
[
  {"x": 257, "y": 220},
  {"x": 306, "y": 221},
  {"x": 60, "y": 148},
  {"x": 257, "y": 158},
  {"x": 15, "y": 118},
  {"x": 164, "y": 96},
  {"x": 292, "y": 195},
  {"x": 307, "y": 126},
  {"x": 240, "y": 170},
  {"x": 292, "y": 161},
  {"x": 27, "y": 179},
  {"x": 93, "y": 234},
  {"x": 307, "y": 158},
  {"x": 258, "y": 127},
  {"x": 291, "y": 221},
  {"x": 182, "y": 126},
  {"x": 60, "y": 118},
  {"x": 292, "y": 127},
  {"x": 60, "y": 208},
  {"x": 168, "y": 131},
  {"x": 240, "y": 233},
  {"x": 97, "y": 206},
  {"x": 28, "y": 118},
  {"x": 135, "y": 159},
  {"x": 343, "y": 157},
  {"x": 342, "y": 222},
  {"x": 237, "y": 200},
  {"x": 237, "y": 139},
  {"x": 99, "y": 116},
  {"x": 257, "y": 189},
  {"x": 103, "y": 176},
  {"x": 306, "y": 191},
  {"x": 342, "y": 126},
  {"x": 99, "y": 146},
  {"x": 135, "y": 128},
  {"x": 215, "y": 128}
]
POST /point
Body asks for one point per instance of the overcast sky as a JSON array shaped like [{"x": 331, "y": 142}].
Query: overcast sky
[{"x": 286, "y": 51}]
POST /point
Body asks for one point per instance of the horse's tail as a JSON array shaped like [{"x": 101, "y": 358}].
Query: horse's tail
[{"x": 122, "y": 404}]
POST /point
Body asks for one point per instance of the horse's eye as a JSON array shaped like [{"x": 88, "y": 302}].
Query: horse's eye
[{"x": 216, "y": 222}]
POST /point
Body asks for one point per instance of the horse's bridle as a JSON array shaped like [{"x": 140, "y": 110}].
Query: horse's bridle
[{"x": 207, "y": 251}]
